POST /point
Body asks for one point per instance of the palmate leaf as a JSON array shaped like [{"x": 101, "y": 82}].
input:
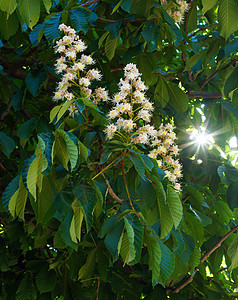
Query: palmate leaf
[
  {"x": 46, "y": 280},
  {"x": 7, "y": 144},
  {"x": 87, "y": 200},
  {"x": 233, "y": 253},
  {"x": 138, "y": 164},
  {"x": 207, "y": 5},
  {"x": 138, "y": 228},
  {"x": 51, "y": 27},
  {"x": 29, "y": 11},
  {"x": 178, "y": 243},
  {"x": 79, "y": 18},
  {"x": 127, "y": 250},
  {"x": 88, "y": 268},
  {"x": 34, "y": 176},
  {"x": 71, "y": 144},
  {"x": 76, "y": 223},
  {"x": 113, "y": 238},
  {"x": 227, "y": 15},
  {"x": 111, "y": 45},
  {"x": 17, "y": 202},
  {"x": 147, "y": 195},
  {"x": 10, "y": 190},
  {"x": 161, "y": 94},
  {"x": 195, "y": 258},
  {"x": 8, "y": 26},
  {"x": 167, "y": 263},
  {"x": 8, "y": 6},
  {"x": 34, "y": 80},
  {"x": 65, "y": 230},
  {"x": 26, "y": 289},
  {"x": 154, "y": 250},
  {"x": 59, "y": 110},
  {"x": 175, "y": 206},
  {"x": 194, "y": 227},
  {"x": 44, "y": 208},
  {"x": 166, "y": 220}
]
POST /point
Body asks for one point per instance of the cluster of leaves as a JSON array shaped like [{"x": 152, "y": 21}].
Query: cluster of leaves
[{"x": 84, "y": 216}]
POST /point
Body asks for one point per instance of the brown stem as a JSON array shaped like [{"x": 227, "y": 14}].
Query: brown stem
[
  {"x": 111, "y": 192},
  {"x": 86, "y": 4},
  {"x": 232, "y": 62},
  {"x": 204, "y": 95},
  {"x": 97, "y": 288},
  {"x": 202, "y": 29},
  {"x": 205, "y": 256}
]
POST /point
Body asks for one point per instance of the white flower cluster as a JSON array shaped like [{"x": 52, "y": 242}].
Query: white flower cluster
[
  {"x": 130, "y": 117},
  {"x": 165, "y": 152},
  {"x": 176, "y": 10},
  {"x": 74, "y": 70}
]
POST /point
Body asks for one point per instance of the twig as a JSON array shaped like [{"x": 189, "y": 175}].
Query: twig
[
  {"x": 111, "y": 192},
  {"x": 6, "y": 111},
  {"x": 212, "y": 278},
  {"x": 86, "y": 4},
  {"x": 97, "y": 288},
  {"x": 205, "y": 256},
  {"x": 204, "y": 95},
  {"x": 123, "y": 21},
  {"x": 233, "y": 61},
  {"x": 202, "y": 29}
]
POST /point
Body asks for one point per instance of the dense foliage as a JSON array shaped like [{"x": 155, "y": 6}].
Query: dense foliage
[{"x": 92, "y": 206}]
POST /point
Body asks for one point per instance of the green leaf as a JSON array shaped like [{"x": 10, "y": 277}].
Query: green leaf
[
  {"x": 17, "y": 100},
  {"x": 48, "y": 5},
  {"x": 192, "y": 17},
  {"x": 194, "y": 228},
  {"x": 161, "y": 94},
  {"x": 26, "y": 129},
  {"x": 65, "y": 230},
  {"x": 60, "y": 110},
  {"x": 46, "y": 280},
  {"x": 116, "y": 7},
  {"x": 197, "y": 197},
  {"x": 87, "y": 199},
  {"x": 87, "y": 269},
  {"x": 193, "y": 60},
  {"x": 231, "y": 82},
  {"x": 167, "y": 263},
  {"x": 79, "y": 18},
  {"x": 51, "y": 27},
  {"x": 60, "y": 152},
  {"x": 34, "y": 176},
  {"x": 232, "y": 195},
  {"x": 147, "y": 195},
  {"x": 195, "y": 258},
  {"x": 139, "y": 166},
  {"x": 154, "y": 250},
  {"x": 29, "y": 11},
  {"x": 26, "y": 289},
  {"x": 207, "y": 5},
  {"x": 7, "y": 144},
  {"x": 114, "y": 28},
  {"x": 227, "y": 16},
  {"x": 76, "y": 223},
  {"x": 166, "y": 220},
  {"x": 45, "y": 208},
  {"x": 233, "y": 253},
  {"x": 8, "y": 26},
  {"x": 138, "y": 228},
  {"x": 10, "y": 190},
  {"x": 178, "y": 243},
  {"x": 17, "y": 202},
  {"x": 8, "y": 6},
  {"x": 127, "y": 250},
  {"x": 178, "y": 98},
  {"x": 113, "y": 237},
  {"x": 72, "y": 148},
  {"x": 175, "y": 206},
  {"x": 34, "y": 81},
  {"x": 111, "y": 45},
  {"x": 84, "y": 152}
]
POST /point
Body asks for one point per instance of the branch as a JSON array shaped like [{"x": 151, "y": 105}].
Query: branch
[
  {"x": 123, "y": 21},
  {"x": 111, "y": 192},
  {"x": 205, "y": 256},
  {"x": 202, "y": 29},
  {"x": 204, "y": 95},
  {"x": 233, "y": 61},
  {"x": 86, "y": 4}
]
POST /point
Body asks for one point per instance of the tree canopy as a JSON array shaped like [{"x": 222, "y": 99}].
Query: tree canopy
[{"x": 118, "y": 128}]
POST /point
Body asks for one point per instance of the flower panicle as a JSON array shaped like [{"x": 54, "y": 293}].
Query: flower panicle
[{"x": 73, "y": 66}]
